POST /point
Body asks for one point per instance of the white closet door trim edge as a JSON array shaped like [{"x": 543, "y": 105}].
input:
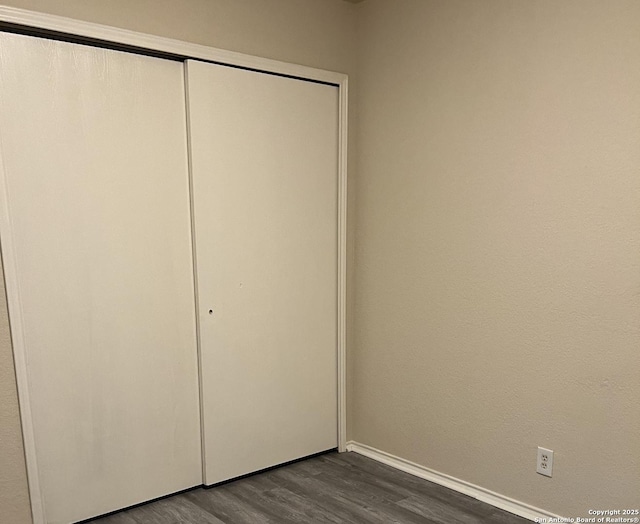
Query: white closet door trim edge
[
  {"x": 17, "y": 340},
  {"x": 188, "y": 50},
  {"x": 342, "y": 263},
  {"x": 157, "y": 43}
]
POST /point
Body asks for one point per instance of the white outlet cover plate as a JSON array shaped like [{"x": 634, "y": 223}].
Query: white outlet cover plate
[{"x": 544, "y": 466}]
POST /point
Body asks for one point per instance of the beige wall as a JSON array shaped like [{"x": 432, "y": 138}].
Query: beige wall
[
  {"x": 315, "y": 33},
  {"x": 498, "y": 244}
]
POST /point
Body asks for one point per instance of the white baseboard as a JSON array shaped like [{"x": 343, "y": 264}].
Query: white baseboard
[{"x": 490, "y": 497}]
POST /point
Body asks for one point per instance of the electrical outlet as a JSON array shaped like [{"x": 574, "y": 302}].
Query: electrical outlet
[{"x": 545, "y": 462}]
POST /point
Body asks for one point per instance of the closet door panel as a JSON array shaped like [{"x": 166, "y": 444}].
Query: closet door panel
[
  {"x": 264, "y": 155},
  {"x": 93, "y": 144}
]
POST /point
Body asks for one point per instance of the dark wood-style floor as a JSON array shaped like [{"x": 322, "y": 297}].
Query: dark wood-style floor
[{"x": 331, "y": 488}]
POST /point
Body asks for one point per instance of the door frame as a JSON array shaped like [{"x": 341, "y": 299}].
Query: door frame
[{"x": 122, "y": 39}]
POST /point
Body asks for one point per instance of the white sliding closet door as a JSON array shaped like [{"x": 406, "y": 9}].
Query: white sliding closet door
[
  {"x": 93, "y": 148},
  {"x": 264, "y": 153}
]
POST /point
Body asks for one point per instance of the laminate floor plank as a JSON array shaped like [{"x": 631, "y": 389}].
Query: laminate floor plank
[
  {"x": 402, "y": 481},
  {"x": 441, "y": 512},
  {"x": 302, "y": 509},
  {"x": 503, "y": 517},
  {"x": 227, "y": 507},
  {"x": 123, "y": 517},
  {"x": 230, "y": 503},
  {"x": 174, "y": 510},
  {"x": 342, "y": 505},
  {"x": 409, "y": 485},
  {"x": 365, "y": 491},
  {"x": 261, "y": 501},
  {"x": 328, "y": 489}
]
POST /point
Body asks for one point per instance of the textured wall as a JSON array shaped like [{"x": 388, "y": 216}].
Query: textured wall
[
  {"x": 498, "y": 241},
  {"x": 315, "y": 33}
]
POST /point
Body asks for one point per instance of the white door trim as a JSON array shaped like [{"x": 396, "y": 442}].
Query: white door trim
[
  {"x": 17, "y": 340},
  {"x": 134, "y": 39}
]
